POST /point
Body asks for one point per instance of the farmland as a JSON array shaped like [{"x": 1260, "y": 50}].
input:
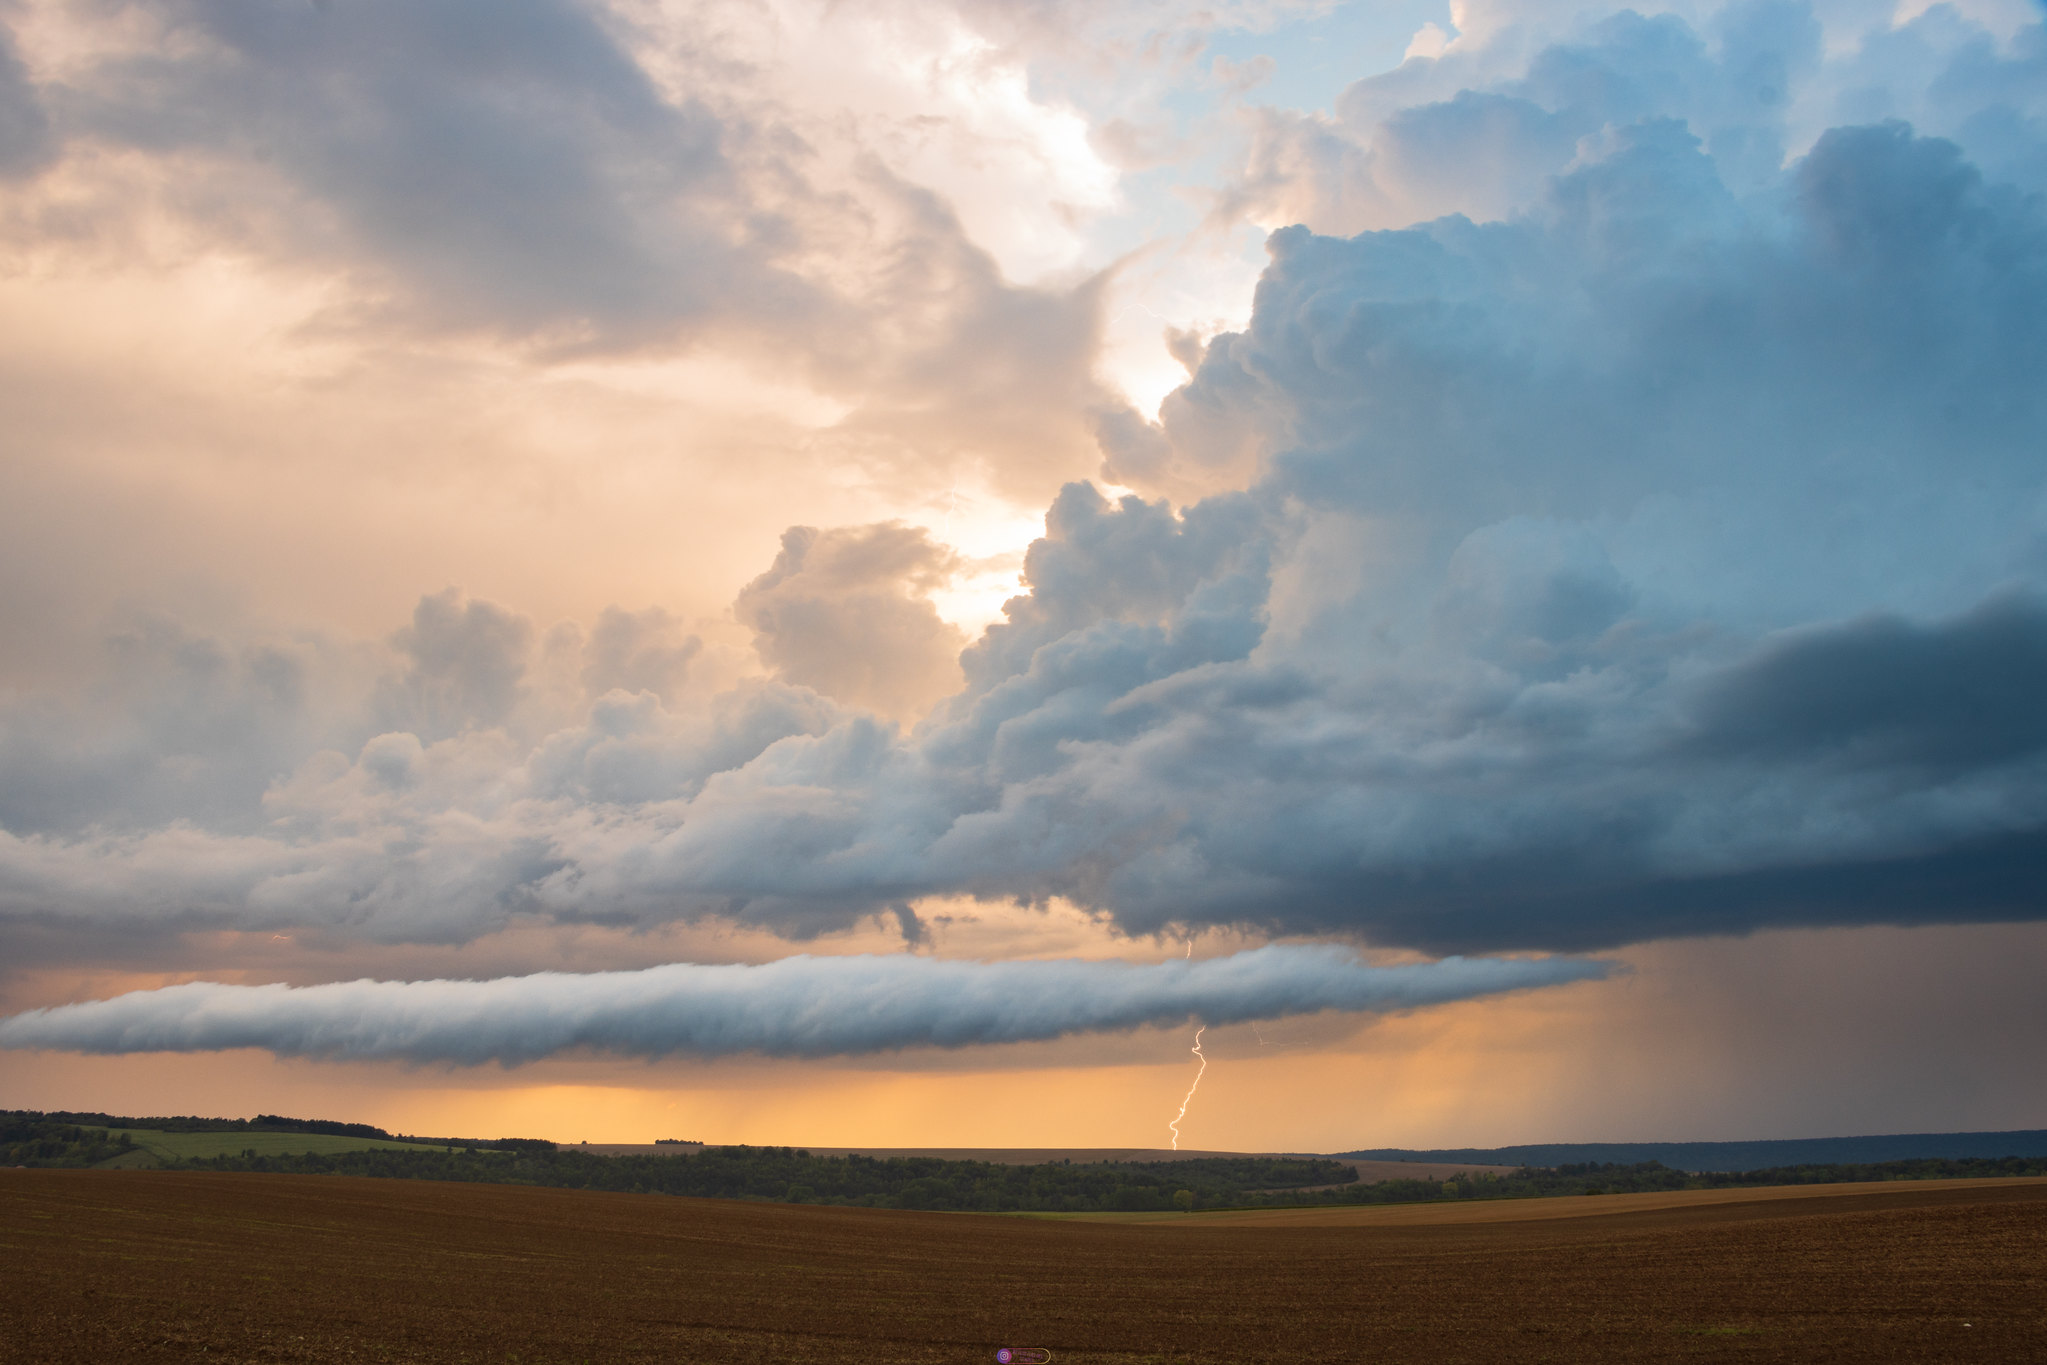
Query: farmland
[
  {"x": 172, "y": 1265},
  {"x": 185, "y": 1146},
  {"x": 34, "y": 1139}
]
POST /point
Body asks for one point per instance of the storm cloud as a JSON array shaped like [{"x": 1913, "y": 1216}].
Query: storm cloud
[
  {"x": 1660, "y": 549},
  {"x": 507, "y": 166},
  {"x": 795, "y": 1007}
]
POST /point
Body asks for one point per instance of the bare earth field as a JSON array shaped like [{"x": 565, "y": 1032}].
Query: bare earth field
[
  {"x": 1539, "y": 1210},
  {"x": 159, "y": 1266}
]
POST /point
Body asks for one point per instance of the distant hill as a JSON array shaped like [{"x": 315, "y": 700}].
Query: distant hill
[
  {"x": 198, "y": 1136},
  {"x": 1736, "y": 1156},
  {"x": 192, "y": 1123}
]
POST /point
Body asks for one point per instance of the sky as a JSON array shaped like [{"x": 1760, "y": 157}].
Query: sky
[{"x": 776, "y": 571}]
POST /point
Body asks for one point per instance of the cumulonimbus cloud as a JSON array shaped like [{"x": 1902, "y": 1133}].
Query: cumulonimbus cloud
[
  {"x": 1665, "y": 556},
  {"x": 795, "y": 1007}
]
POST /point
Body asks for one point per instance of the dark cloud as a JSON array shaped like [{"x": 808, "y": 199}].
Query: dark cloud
[
  {"x": 797, "y": 1007},
  {"x": 27, "y": 142},
  {"x": 509, "y": 165},
  {"x": 1663, "y": 558},
  {"x": 1881, "y": 691},
  {"x": 1586, "y": 894}
]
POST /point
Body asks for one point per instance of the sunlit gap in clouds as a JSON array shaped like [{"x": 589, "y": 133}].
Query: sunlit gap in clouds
[
  {"x": 1612, "y": 520},
  {"x": 991, "y": 534}
]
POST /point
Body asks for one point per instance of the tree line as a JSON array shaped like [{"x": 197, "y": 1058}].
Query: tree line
[
  {"x": 792, "y": 1175},
  {"x": 262, "y": 1123},
  {"x": 786, "y": 1175},
  {"x": 1646, "y": 1177},
  {"x": 39, "y": 1141},
  {"x": 192, "y": 1123}
]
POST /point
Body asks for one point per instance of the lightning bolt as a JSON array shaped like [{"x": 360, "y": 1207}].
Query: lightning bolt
[{"x": 1175, "y": 1124}]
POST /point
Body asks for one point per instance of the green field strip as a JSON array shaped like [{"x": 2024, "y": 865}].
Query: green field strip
[{"x": 180, "y": 1146}]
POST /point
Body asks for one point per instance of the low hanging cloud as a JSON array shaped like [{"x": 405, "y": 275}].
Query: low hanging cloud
[{"x": 795, "y": 1007}]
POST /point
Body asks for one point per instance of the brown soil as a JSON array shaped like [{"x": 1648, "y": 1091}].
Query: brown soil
[
  {"x": 146, "y": 1266},
  {"x": 1561, "y": 1206}
]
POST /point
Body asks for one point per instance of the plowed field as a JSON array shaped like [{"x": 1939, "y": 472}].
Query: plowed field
[{"x": 146, "y": 1266}]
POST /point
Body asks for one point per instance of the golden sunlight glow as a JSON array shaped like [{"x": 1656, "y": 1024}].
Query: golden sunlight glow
[{"x": 1687, "y": 1037}]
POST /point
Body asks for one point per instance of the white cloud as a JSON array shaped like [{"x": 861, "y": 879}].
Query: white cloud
[
  {"x": 795, "y": 1007},
  {"x": 1429, "y": 43}
]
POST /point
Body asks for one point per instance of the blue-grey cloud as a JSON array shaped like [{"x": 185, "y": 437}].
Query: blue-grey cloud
[
  {"x": 796, "y": 1007},
  {"x": 1885, "y": 692},
  {"x": 27, "y": 141},
  {"x": 1665, "y": 556},
  {"x": 465, "y": 665},
  {"x": 1481, "y": 132},
  {"x": 505, "y": 165}
]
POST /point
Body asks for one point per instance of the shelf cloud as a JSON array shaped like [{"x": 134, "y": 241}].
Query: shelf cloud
[{"x": 796, "y": 1007}]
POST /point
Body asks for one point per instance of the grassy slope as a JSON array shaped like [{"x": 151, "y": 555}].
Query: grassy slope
[{"x": 176, "y": 1146}]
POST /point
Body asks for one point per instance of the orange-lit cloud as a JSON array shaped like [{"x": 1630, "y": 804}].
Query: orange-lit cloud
[{"x": 597, "y": 486}]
